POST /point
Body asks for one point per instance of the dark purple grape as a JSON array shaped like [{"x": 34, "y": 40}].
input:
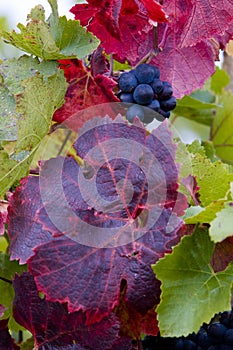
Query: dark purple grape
[
  {"x": 226, "y": 318},
  {"x": 167, "y": 91},
  {"x": 225, "y": 347},
  {"x": 179, "y": 344},
  {"x": 145, "y": 73},
  {"x": 126, "y": 97},
  {"x": 133, "y": 111},
  {"x": 164, "y": 113},
  {"x": 228, "y": 337},
  {"x": 203, "y": 339},
  {"x": 213, "y": 347},
  {"x": 143, "y": 94},
  {"x": 216, "y": 332},
  {"x": 157, "y": 72},
  {"x": 189, "y": 345},
  {"x": 168, "y": 105},
  {"x": 155, "y": 105},
  {"x": 127, "y": 82},
  {"x": 157, "y": 86}
]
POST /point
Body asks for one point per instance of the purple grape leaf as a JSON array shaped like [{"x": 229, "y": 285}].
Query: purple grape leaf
[
  {"x": 84, "y": 90},
  {"x": 103, "y": 223},
  {"x": 54, "y": 327},
  {"x": 22, "y": 220},
  {"x": 6, "y": 342},
  {"x": 99, "y": 62}
]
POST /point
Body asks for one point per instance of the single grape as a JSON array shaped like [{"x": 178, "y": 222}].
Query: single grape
[
  {"x": 226, "y": 318},
  {"x": 168, "y": 105},
  {"x": 145, "y": 73},
  {"x": 133, "y": 111},
  {"x": 164, "y": 113},
  {"x": 143, "y": 94},
  {"x": 126, "y": 97},
  {"x": 127, "y": 82},
  {"x": 189, "y": 345},
  {"x": 203, "y": 339},
  {"x": 216, "y": 332},
  {"x": 157, "y": 72},
  {"x": 157, "y": 86},
  {"x": 179, "y": 344},
  {"x": 228, "y": 337},
  {"x": 155, "y": 105},
  {"x": 167, "y": 91}
]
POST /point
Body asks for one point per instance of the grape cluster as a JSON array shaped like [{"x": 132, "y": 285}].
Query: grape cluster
[
  {"x": 218, "y": 335},
  {"x": 143, "y": 88}
]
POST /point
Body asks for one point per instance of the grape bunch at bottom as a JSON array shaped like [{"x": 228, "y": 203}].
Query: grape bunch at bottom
[
  {"x": 218, "y": 335},
  {"x": 143, "y": 88}
]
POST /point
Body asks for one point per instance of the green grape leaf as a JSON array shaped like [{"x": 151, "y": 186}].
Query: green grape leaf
[
  {"x": 14, "y": 71},
  {"x": 219, "y": 80},
  {"x": 221, "y": 227},
  {"x": 212, "y": 178},
  {"x": 191, "y": 291},
  {"x": 12, "y": 170},
  {"x": 55, "y": 39},
  {"x": 7, "y": 272},
  {"x": 8, "y": 116},
  {"x": 41, "y": 95},
  {"x": 196, "y": 108},
  {"x": 221, "y": 131},
  {"x": 37, "y": 104},
  {"x": 205, "y": 215}
]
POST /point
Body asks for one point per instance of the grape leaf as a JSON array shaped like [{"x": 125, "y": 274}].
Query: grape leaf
[
  {"x": 8, "y": 116},
  {"x": 57, "y": 38},
  {"x": 206, "y": 215},
  {"x": 212, "y": 178},
  {"x": 223, "y": 254},
  {"x": 183, "y": 76},
  {"x": 40, "y": 98},
  {"x": 197, "y": 29},
  {"x": 221, "y": 226},
  {"x": 6, "y": 342},
  {"x": 3, "y": 216},
  {"x": 26, "y": 67},
  {"x": 59, "y": 263},
  {"x": 7, "y": 272},
  {"x": 221, "y": 131},
  {"x": 122, "y": 26},
  {"x": 187, "y": 272},
  {"x": 54, "y": 327},
  {"x": 84, "y": 91},
  {"x": 219, "y": 80}
]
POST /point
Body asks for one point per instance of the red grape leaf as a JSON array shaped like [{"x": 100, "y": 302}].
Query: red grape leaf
[
  {"x": 99, "y": 62},
  {"x": 122, "y": 26},
  {"x": 84, "y": 90},
  {"x": 223, "y": 254},
  {"x": 54, "y": 327},
  {"x": 185, "y": 68},
  {"x": 6, "y": 342},
  {"x": 3, "y": 216},
  {"x": 207, "y": 18},
  {"x": 105, "y": 234}
]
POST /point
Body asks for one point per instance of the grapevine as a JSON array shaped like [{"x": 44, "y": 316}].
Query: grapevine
[{"x": 115, "y": 234}]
